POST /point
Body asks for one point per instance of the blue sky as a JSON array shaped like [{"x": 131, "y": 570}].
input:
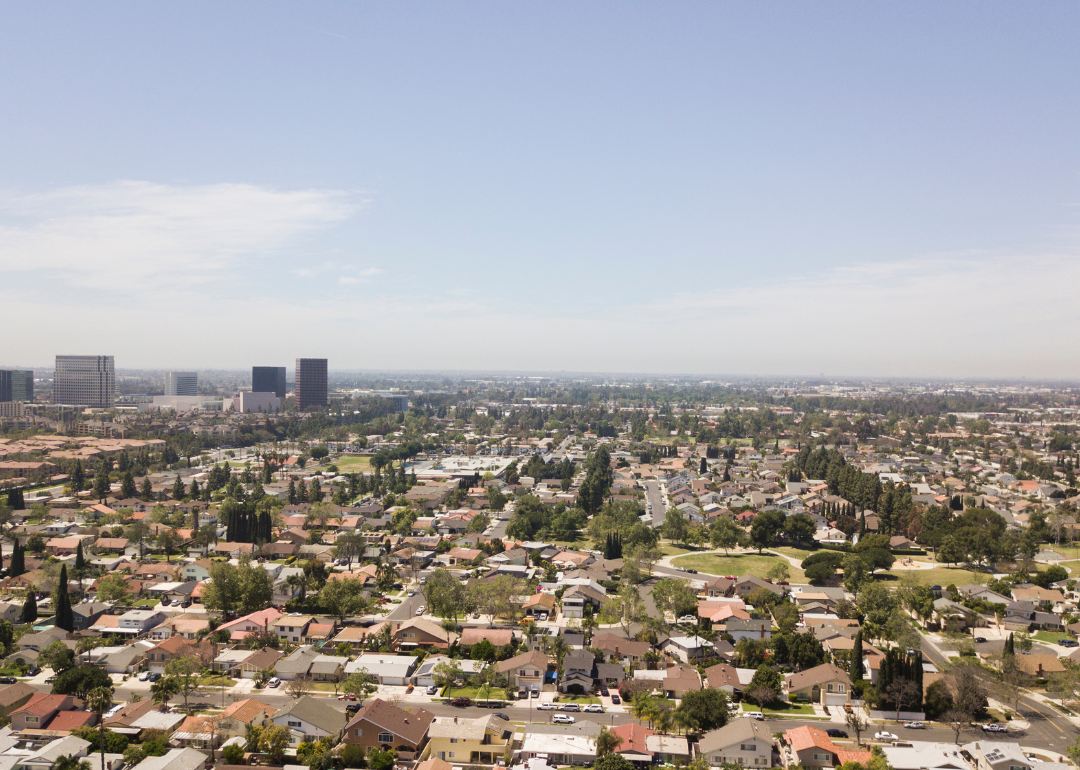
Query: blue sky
[{"x": 847, "y": 188}]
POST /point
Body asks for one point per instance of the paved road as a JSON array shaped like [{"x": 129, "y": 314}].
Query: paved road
[
  {"x": 1047, "y": 728},
  {"x": 654, "y": 496}
]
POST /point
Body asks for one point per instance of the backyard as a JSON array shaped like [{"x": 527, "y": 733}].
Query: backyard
[{"x": 738, "y": 564}]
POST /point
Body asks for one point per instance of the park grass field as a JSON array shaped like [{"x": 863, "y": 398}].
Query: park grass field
[
  {"x": 738, "y": 564},
  {"x": 940, "y": 575},
  {"x": 352, "y": 464}
]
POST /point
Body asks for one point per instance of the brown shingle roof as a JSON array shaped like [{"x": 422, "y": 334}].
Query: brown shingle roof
[{"x": 410, "y": 725}]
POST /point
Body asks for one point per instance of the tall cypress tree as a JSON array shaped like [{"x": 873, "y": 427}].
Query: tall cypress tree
[
  {"x": 18, "y": 565},
  {"x": 855, "y": 665},
  {"x": 80, "y": 561},
  {"x": 65, "y": 618},
  {"x": 29, "y": 610}
]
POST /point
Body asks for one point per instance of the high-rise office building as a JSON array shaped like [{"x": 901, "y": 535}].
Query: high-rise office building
[
  {"x": 268, "y": 379},
  {"x": 310, "y": 383},
  {"x": 16, "y": 385},
  {"x": 84, "y": 381},
  {"x": 181, "y": 384}
]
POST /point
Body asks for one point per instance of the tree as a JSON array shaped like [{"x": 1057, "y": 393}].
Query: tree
[
  {"x": 168, "y": 541},
  {"x": 99, "y": 700},
  {"x": 101, "y": 484},
  {"x": 80, "y": 680},
  {"x": 800, "y": 528},
  {"x": 607, "y": 742},
  {"x": 57, "y": 656},
  {"x": 146, "y": 491},
  {"x": 903, "y": 692},
  {"x": 342, "y": 598},
  {"x": 760, "y": 695},
  {"x": 297, "y": 688},
  {"x": 113, "y": 588},
  {"x": 676, "y": 526},
  {"x": 29, "y": 610},
  {"x": 233, "y": 754},
  {"x": 857, "y": 723},
  {"x": 778, "y": 572},
  {"x": 139, "y": 532},
  {"x": 445, "y": 595},
  {"x": 625, "y": 607},
  {"x": 447, "y": 672},
  {"x": 613, "y": 761},
  {"x": 185, "y": 671},
  {"x": 127, "y": 485},
  {"x": 382, "y": 760},
  {"x": 938, "y": 699},
  {"x": 65, "y": 762},
  {"x": 856, "y": 575},
  {"x": 273, "y": 741},
  {"x": 765, "y": 528},
  {"x": 674, "y": 596},
  {"x": 724, "y": 534},
  {"x": 80, "y": 560},
  {"x": 65, "y": 618},
  {"x": 361, "y": 684},
  {"x": 703, "y": 710},
  {"x": 164, "y": 690}
]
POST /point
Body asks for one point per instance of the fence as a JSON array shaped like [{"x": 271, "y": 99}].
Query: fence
[{"x": 907, "y": 716}]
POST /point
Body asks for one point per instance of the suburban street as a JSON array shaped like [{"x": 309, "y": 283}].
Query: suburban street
[{"x": 656, "y": 497}]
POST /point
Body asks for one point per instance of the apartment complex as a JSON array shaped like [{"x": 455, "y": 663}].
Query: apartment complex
[
  {"x": 16, "y": 385},
  {"x": 181, "y": 384},
  {"x": 310, "y": 383},
  {"x": 84, "y": 381},
  {"x": 269, "y": 379}
]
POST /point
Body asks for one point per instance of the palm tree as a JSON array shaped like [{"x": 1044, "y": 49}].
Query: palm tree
[
  {"x": 298, "y": 581},
  {"x": 64, "y": 762},
  {"x": 163, "y": 690},
  {"x": 99, "y": 700}
]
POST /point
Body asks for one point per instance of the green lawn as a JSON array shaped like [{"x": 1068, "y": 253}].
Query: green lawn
[
  {"x": 216, "y": 680},
  {"x": 786, "y": 709},
  {"x": 352, "y": 464},
  {"x": 1049, "y": 636},
  {"x": 584, "y": 700},
  {"x": 738, "y": 564},
  {"x": 795, "y": 553},
  {"x": 673, "y": 550},
  {"x": 940, "y": 575},
  {"x": 493, "y": 693}
]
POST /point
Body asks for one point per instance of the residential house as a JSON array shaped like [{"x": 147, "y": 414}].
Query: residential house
[
  {"x": 525, "y": 671},
  {"x": 309, "y": 719},
  {"x": 925, "y": 755},
  {"x": 158, "y": 656},
  {"x": 13, "y": 696},
  {"x": 36, "y": 712},
  {"x": 826, "y": 684},
  {"x": 421, "y": 632},
  {"x": 484, "y": 740},
  {"x": 688, "y": 648},
  {"x": 292, "y": 627},
  {"x": 748, "y": 629},
  {"x": 387, "y": 669},
  {"x": 812, "y": 748},
  {"x": 634, "y": 747},
  {"x": 618, "y": 648},
  {"x": 747, "y": 584},
  {"x": 679, "y": 680},
  {"x": 177, "y": 759},
  {"x": 577, "y": 672},
  {"x": 724, "y": 677},
  {"x": 424, "y": 675},
  {"x": 998, "y": 755},
  {"x": 745, "y": 742},
  {"x": 536, "y": 604},
  {"x": 256, "y": 622},
  {"x": 382, "y": 725},
  {"x": 558, "y": 749},
  {"x": 234, "y": 720},
  {"x": 576, "y": 597}
]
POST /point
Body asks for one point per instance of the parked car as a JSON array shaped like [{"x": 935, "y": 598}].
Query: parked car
[
  {"x": 755, "y": 715},
  {"x": 885, "y": 736},
  {"x": 569, "y": 707},
  {"x": 8, "y": 680},
  {"x": 563, "y": 719},
  {"x": 834, "y": 733},
  {"x": 420, "y": 609},
  {"x": 501, "y": 715},
  {"x": 50, "y": 680},
  {"x": 546, "y": 707},
  {"x": 352, "y": 708},
  {"x": 688, "y": 619},
  {"x": 274, "y": 682},
  {"x": 461, "y": 702},
  {"x": 144, "y": 675},
  {"x": 1068, "y": 643},
  {"x": 615, "y": 699},
  {"x": 914, "y": 725},
  {"x": 595, "y": 708},
  {"x": 995, "y": 727},
  {"x": 980, "y": 640},
  {"x": 432, "y": 689},
  {"x": 691, "y": 571}
]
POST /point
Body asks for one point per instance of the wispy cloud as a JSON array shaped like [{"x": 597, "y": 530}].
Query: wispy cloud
[{"x": 146, "y": 235}]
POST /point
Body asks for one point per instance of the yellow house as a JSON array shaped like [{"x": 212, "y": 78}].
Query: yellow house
[{"x": 461, "y": 741}]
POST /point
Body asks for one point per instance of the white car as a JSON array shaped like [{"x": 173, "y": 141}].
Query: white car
[
  {"x": 995, "y": 728},
  {"x": 563, "y": 719},
  {"x": 412, "y": 593},
  {"x": 914, "y": 725},
  {"x": 688, "y": 619},
  {"x": 144, "y": 675},
  {"x": 274, "y": 682},
  {"x": 755, "y": 715},
  {"x": 884, "y": 736},
  {"x": 545, "y": 707},
  {"x": 420, "y": 610},
  {"x": 595, "y": 708}
]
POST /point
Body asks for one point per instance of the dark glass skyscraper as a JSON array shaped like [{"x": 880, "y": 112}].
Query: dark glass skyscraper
[
  {"x": 310, "y": 383},
  {"x": 16, "y": 385},
  {"x": 268, "y": 379}
]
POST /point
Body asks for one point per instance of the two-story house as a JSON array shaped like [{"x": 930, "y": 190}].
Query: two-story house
[
  {"x": 744, "y": 742},
  {"x": 577, "y": 675},
  {"x": 36, "y": 713},
  {"x": 382, "y": 725},
  {"x": 525, "y": 671},
  {"x": 309, "y": 719},
  {"x": 480, "y": 741},
  {"x": 292, "y": 627}
]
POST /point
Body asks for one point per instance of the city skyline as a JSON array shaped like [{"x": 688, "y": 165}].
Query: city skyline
[{"x": 885, "y": 191}]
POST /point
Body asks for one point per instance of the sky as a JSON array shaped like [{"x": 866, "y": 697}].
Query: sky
[{"x": 849, "y": 189}]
